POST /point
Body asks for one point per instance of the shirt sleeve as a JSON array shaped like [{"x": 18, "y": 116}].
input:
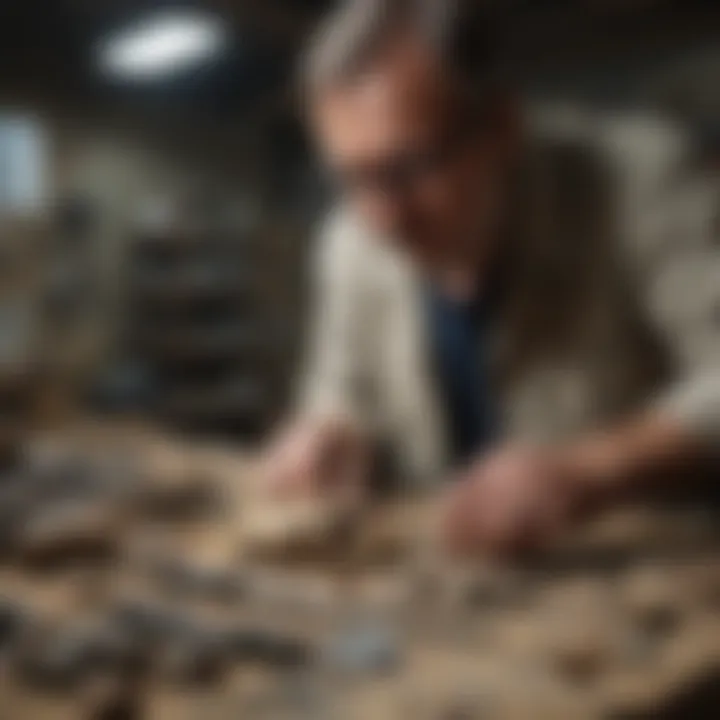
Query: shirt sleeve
[{"x": 333, "y": 359}]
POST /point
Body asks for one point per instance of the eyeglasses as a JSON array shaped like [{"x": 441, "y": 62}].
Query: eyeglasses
[{"x": 407, "y": 170}]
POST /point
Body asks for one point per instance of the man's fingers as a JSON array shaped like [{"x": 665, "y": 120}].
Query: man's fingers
[
  {"x": 488, "y": 514},
  {"x": 316, "y": 462},
  {"x": 289, "y": 468}
]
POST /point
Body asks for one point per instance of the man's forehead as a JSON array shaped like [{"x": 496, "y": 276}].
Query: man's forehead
[{"x": 404, "y": 91}]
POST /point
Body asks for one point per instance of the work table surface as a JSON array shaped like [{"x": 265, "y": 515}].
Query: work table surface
[{"x": 620, "y": 619}]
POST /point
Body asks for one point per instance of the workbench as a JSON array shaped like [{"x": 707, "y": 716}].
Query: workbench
[{"x": 163, "y": 614}]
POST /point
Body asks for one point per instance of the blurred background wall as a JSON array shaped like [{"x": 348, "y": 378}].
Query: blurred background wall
[{"x": 155, "y": 222}]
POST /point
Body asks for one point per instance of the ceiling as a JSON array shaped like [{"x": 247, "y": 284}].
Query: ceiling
[{"x": 46, "y": 46}]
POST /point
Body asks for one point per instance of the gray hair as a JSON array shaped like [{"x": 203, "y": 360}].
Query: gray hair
[{"x": 458, "y": 31}]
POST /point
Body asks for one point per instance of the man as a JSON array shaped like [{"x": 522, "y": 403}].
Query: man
[{"x": 528, "y": 306}]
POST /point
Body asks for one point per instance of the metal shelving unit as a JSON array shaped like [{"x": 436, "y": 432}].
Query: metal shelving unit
[{"x": 204, "y": 327}]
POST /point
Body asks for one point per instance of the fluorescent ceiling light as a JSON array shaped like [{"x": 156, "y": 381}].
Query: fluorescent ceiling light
[{"x": 163, "y": 45}]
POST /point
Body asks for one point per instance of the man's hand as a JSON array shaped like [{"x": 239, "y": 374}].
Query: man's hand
[
  {"x": 315, "y": 457},
  {"x": 512, "y": 500},
  {"x": 518, "y": 497}
]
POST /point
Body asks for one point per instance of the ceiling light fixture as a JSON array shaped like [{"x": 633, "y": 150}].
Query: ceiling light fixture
[{"x": 162, "y": 45}]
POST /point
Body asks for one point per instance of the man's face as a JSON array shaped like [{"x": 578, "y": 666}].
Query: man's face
[{"x": 418, "y": 169}]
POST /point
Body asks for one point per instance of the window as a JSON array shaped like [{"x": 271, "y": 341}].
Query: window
[{"x": 22, "y": 164}]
